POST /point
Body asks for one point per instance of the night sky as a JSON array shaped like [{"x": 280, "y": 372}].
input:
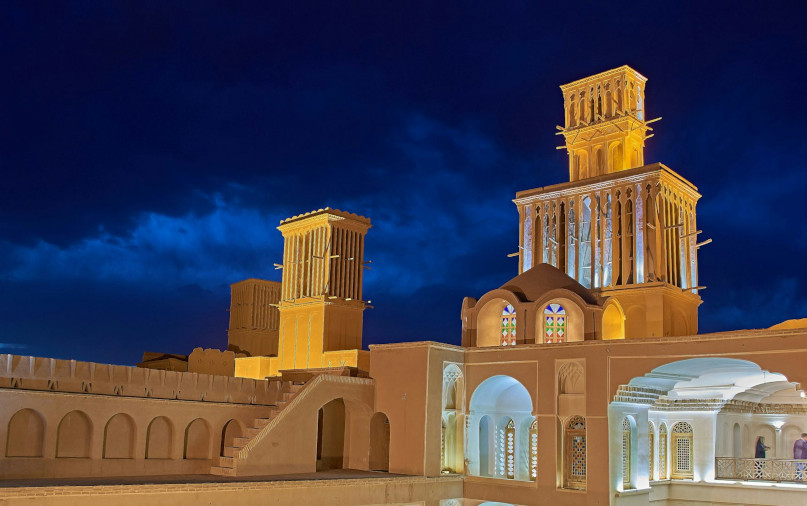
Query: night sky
[{"x": 149, "y": 149}]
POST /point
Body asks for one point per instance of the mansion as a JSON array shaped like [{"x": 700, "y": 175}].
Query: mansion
[{"x": 581, "y": 380}]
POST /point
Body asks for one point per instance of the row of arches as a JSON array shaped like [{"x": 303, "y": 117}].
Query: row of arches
[
  {"x": 74, "y": 437},
  {"x": 503, "y": 436},
  {"x": 678, "y": 463},
  {"x": 557, "y": 321},
  {"x": 332, "y": 438},
  {"x": 621, "y": 236},
  {"x": 604, "y": 100},
  {"x": 605, "y": 159}
]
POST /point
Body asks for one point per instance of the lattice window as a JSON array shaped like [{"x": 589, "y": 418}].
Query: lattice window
[
  {"x": 508, "y": 326},
  {"x": 682, "y": 466},
  {"x": 575, "y": 453},
  {"x": 554, "y": 324},
  {"x": 625, "y": 454},
  {"x": 662, "y": 452},
  {"x": 651, "y": 439},
  {"x": 534, "y": 450},
  {"x": 510, "y": 449}
]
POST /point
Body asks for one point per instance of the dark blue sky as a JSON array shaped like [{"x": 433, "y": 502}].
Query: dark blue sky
[{"x": 148, "y": 150}]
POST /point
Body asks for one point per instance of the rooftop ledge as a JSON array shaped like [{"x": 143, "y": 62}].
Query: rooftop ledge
[{"x": 714, "y": 336}]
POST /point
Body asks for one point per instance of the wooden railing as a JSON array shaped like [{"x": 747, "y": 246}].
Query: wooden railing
[{"x": 782, "y": 470}]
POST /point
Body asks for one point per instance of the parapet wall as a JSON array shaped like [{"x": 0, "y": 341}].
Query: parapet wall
[{"x": 53, "y": 375}]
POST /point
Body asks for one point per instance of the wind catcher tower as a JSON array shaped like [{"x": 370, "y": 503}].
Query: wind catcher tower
[{"x": 622, "y": 228}]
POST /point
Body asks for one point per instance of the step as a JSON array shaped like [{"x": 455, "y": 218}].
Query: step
[
  {"x": 226, "y": 462},
  {"x": 231, "y": 451},
  {"x": 241, "y": 441},
  {"x": 251, "y": 432},
  {"x": 261, "y": 422},
  {"x": 288, "y": 396},
  {"x": 222, "y": 471}
]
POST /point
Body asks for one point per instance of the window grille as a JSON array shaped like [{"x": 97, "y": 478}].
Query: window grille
[
  {"x": 625, "y": 454},
  {"x": 682, "y": 467}
]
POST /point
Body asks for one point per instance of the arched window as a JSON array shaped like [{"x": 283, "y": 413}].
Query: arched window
[
  {"x": 510, "y": 449},
  {"x": 571, "y": 242},
  {"x": 651, "y": 452},
  {"x": 584, "y": 267},
  {"x": 625, "y": 454},
  {"x": 554, "y": 324},
  {"x": 508, "y": 325},
  {"x": 682, "y": 467},
  {"x": 662, "y": 452},
  {"x": 607, "y": 258},
  {"x": 527, "y": 251},
  {"x": 534, "y": 450},
  {"x": 575, "y": 453}
]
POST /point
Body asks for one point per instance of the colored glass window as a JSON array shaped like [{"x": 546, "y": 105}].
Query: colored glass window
[
  {"x": 508, "y": 326},
  {"x": 554, "y": 324}
]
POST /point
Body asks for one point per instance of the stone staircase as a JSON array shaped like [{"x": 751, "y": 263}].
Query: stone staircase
[{"x": 227, "y": 462}]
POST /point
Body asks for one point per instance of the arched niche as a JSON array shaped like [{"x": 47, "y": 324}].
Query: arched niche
[
  {"x": 379, "y": 442},
  {"x": 197, "y": 440},
  {"x": 636, "y": 322},
  {"x": 489, "y": 321},
  {"x": 453, "y": 387},
  {"x": 74, "y": 436},
  {"x": 500, "y": 407},
  {"x": 119, "y": 437},
  {"x": 615, "y": 157},
  {"x": 26, "y": 434},
  {"x": 231, "y": 430},
  {"x": 613, "y": 321},
  {"x": 159, "y": 438},
  {"x": 331, "y": 435},
  {"x": 573, "y": 324},
  {"x": 679, "y": 323}
]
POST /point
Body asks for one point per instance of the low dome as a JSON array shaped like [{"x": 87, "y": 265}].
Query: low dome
[{"x": 533, "y": 284}]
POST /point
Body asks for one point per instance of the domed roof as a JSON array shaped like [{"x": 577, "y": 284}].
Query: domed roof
[{"x": 534, "y": 283}]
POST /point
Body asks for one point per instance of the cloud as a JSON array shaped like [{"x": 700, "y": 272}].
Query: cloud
[{"x": 13, "y": 346}]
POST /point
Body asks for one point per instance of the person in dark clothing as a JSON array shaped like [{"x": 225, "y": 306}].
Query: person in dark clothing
[
  {"x": 759, "y": 453},
  {"x": 761, "y": 448}
]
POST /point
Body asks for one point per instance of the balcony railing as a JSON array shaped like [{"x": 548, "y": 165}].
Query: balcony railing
[{"x": 789, "y": 470}]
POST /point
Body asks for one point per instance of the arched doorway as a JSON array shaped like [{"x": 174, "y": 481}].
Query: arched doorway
[
  {"x": 379, "y": 442},
  {"x": 331, "y": 435},
  {"x": 500, "y": 417},
  {"x": 230, "y": 431}
]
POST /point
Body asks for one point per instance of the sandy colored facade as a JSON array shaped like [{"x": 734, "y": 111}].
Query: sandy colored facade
[{"x": 581, "y": 380}]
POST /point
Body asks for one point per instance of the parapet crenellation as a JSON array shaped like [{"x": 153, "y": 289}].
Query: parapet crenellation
[{"x": 72, "y": 376}]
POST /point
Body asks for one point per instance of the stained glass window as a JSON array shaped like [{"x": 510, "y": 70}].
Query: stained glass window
[
  {"x": 625, "y": 454},
  {"x": 575, "y": 453},
  {"x": 534, "y": 450},
  {"x": 510, "y": 449},
  {"x": 508, "y": 326},
  {"x": 554, "y": 324}
]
